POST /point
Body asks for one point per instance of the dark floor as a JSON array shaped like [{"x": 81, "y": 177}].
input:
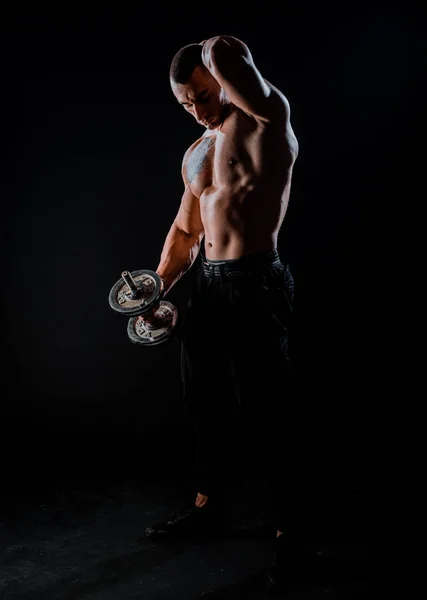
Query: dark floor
[{"x": 85, "y": 542}]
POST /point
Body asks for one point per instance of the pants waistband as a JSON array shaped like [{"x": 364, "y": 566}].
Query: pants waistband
[{"x": 250, "y": 263}]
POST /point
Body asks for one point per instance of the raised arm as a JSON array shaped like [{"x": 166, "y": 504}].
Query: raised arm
[
  {"x": 230, "y": 61},
  {"x": 183, "y": 241}
]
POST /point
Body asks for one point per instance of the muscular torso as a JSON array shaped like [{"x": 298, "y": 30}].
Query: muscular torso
[{"x": 241, "y": 172}]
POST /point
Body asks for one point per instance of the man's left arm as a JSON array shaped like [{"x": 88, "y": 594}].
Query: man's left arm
[{"x": 230, "y": 61}]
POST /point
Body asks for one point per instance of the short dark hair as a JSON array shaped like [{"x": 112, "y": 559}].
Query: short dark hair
[{"x": 184, "y": 62}]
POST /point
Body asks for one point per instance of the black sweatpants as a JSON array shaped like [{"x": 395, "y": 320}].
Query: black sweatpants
[{"x": 236, "y": 372}]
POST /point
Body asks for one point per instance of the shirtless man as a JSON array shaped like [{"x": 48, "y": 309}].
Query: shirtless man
[
  {"x": 237, "y": 176},
  {"x": 237, "y": 181}
]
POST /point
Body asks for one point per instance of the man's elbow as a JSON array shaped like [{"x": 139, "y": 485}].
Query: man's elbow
[{"x": 189, "y": 234}]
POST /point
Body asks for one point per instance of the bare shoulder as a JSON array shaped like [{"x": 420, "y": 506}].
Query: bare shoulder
[
  {"x": 187, "y": 155},
  {"x": 193, "y": 146},
  {"x": 198, "y": 149}
]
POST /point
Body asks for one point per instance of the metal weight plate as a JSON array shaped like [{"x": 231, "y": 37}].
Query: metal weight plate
[
  {"x": 140, "y": 332},
  {"x": 150, "y": 287}
]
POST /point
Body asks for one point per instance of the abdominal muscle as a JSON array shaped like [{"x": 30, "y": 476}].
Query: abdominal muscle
[{"x": 236, "y": 226}]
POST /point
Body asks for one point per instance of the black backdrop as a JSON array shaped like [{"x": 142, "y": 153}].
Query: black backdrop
[{"x": 92, "y": 143}]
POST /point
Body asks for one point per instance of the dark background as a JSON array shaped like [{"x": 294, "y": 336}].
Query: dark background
[{"x": 92, "y": 143}]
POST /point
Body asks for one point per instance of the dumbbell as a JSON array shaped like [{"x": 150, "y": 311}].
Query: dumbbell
[{"x": 138, "y": 293}]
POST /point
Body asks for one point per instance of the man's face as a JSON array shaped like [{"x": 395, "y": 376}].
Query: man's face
[{"x": 202, "y": 97}]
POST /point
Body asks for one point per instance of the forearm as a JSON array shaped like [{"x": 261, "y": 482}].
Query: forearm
[
  {"x": 217, "y": 46},
  {"x": 207, "y": 51},
  {"x": 179, "y": 252}
]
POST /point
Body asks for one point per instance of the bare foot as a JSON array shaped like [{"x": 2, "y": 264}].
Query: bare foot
[{"x": 201, "y": 500}]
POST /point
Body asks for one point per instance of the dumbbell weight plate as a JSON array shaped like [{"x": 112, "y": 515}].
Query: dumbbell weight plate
[
  {"x": 140, "y": 332},
  {"x": 121, "y": 300}
]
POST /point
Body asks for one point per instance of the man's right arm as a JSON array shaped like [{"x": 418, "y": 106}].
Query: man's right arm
[{"x": 183, "y": 241}]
